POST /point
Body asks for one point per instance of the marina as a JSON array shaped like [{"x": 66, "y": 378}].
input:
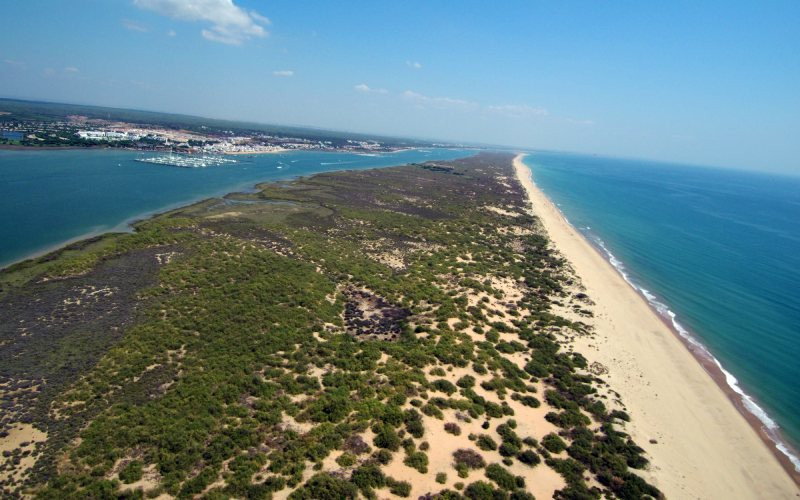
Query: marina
[{"x": 187, "y": 161}]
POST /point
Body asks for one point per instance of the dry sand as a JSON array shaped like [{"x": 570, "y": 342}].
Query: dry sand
[{"x": 705, "y": 448}]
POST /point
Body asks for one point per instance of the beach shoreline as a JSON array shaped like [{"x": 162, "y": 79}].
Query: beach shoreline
[{"x": 708, "y": 451}]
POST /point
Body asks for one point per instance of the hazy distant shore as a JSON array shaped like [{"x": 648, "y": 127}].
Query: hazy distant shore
[{"x": 704, "y": 447}]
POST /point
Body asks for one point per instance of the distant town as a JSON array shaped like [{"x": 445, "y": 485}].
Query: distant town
[
  {"x": 80, "y": 131},
  {"x": 27, "y": 124}
]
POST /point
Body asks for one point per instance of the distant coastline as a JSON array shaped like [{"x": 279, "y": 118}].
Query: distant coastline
[{"x": 652, "y": 414}]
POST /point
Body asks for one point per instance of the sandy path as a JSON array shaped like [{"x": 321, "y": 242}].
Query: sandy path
[{"x": 705, "y": 447}]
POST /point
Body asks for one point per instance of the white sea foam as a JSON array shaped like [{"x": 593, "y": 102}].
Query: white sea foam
[{"x": 770, "y": 426}]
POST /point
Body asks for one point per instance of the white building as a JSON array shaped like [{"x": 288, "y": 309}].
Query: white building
[{"x": 103, "y": 135}]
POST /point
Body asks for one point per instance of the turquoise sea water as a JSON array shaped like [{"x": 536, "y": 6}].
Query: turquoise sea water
[
  {"x": 717, "y": 252},
  {"x": 50, "y": 197}
]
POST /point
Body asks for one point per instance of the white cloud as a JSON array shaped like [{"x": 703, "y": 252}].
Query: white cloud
[
  {"x": 414, "y": 64},
  {"x": 438, "y": 102},
  {"x": 517, "y": 110},
  {"x": 283, "y": 72},
  {"x": 259, "y": 18},
  {"x": 134, "y": 26},
  {"x": 363, "y": 87},
  {"x": 49, "y": 72},
  {"x": 70, "y": 69},
  {"x": 229, "y": 23},
  {"x": 171, "y": 33}
]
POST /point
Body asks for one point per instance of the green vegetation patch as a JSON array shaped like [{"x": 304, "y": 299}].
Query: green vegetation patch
[{"x": 233, "y": 347}]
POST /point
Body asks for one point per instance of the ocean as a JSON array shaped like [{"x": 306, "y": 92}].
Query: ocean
[
  {"x": 48, "y": 198},
  {"x": 715, "y": 251}
]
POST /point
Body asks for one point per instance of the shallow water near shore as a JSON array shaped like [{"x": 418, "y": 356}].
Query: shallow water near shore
[
  {"x": 717, "y": 252},
  {"x": 50, "y": 197}
]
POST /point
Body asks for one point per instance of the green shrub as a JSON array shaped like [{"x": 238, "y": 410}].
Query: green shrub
[
  {"x": 529, "y": 457},
  {"x": 399, "y": 488},
  {"x": 386, "y": 437},
  {"x": 481, "y": 490},
  {"x": 413, "y": 421},
  {"x": 521, "y": 495},
  {"x": 486, "y": 443},
  {"x": 131, "y": 472},
  {"x": 432, "y": 411},
  {"x": 383, "y": 456},
  {"x": 367, "y": 477},
  {"x": 346, "y": 459},
  {"x": 417, "y": 460},
  {"x": 567, "y": 419},
  {"x": 444, "y": 386},
  {"x": 508, "y": 449},
  {"x": 502, "y": 477},
  {"x": 325, "y": 486},
  {"x": 466, "y": 382},
  {"x": 553, "y": 443}
]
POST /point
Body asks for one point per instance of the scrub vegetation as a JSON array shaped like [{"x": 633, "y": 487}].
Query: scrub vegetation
[{"x": 330, "y": 337}]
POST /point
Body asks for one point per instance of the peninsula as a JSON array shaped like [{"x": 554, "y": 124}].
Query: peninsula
[{"x": 429, "y": 330}]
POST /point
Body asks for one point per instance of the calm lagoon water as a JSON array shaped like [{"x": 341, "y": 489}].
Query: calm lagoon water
[
  {"x": 715, "y": 251},
  {"x": 50, "y": 197}
]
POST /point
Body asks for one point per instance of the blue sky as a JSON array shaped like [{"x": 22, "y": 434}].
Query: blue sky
[{"x": 714, "y": 83}]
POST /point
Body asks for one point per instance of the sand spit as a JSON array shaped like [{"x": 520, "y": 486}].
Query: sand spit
[{"x": 700, "y": 446}]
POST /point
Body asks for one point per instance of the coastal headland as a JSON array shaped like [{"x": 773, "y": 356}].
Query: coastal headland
[
  {"x": 700, "y": 445},
  {"x": 395, "y": 332}
]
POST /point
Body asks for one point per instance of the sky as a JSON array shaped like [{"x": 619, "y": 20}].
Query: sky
[{"x": 711, "y": 83}]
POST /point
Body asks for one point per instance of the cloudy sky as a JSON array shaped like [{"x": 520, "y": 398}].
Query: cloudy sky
[{"x": 714, "y": 83}]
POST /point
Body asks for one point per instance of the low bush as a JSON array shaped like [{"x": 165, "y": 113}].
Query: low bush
[
  {"x": 486, "y": 443},
  {"x": 452, "y": 428},
  {"x": 469, "y": 458},
  {"x": 553, "y": 443},
  {"x": 502, "y": 477},
  {"x": 131, "y": 472},
  {"x": 529, "y": 457},
  {"x": 417, "y": 460}
]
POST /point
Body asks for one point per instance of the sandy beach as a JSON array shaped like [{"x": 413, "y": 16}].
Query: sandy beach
[{"x": 699, "y": 444}]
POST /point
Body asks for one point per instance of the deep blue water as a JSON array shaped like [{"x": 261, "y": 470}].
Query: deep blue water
[
  {"x": 50, "y": 197},
  {"x": 719, "y": 249}
]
